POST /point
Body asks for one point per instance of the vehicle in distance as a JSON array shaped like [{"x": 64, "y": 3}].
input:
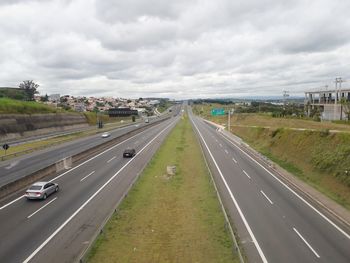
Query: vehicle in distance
[
  {"x": 129, "y": 153},
  {"x": 41, "y": 190},
  {"x": 105, "y": 135},
  {"x": 146, "y": 120}
]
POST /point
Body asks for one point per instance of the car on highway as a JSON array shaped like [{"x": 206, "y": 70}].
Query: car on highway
[
  {"x": 129, "y": 153},
  {"x": 105, "y": 135},
  {"x": 146, "y": 120},
  {"x": 41, "y": 190}
]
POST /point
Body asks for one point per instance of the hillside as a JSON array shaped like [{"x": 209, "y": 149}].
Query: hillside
[
  {"x": 316, "y": 152},
  {"x": 11, "y": 106}
]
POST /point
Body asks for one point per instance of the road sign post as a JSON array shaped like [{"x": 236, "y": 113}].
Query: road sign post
[{"x": 5, "y": 147}]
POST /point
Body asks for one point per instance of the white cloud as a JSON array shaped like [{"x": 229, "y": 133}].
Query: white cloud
[{"x": 178, "y": 49}]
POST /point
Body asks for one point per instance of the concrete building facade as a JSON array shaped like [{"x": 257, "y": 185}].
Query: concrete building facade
[{"x": 328, "y": 101}]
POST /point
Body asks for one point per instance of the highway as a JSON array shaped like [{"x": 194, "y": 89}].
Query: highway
[
  {"x": 274, "y": 222},
  {"x": 60, "y": 228},
  {"x": 19, "y": 167}
]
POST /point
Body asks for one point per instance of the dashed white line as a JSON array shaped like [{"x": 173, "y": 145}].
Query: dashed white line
[
  {"x": 82, "y": 179},
  {"x": 216, "y": 140},
  {"x": 111, "y": 159},
  {"x": 233, "y": 159},
  {"x": 309, "y": 246},
  {"x": 261, "y": 253},
  {"x": 220, "y": 144},
  {"x": 247, "y": 174},
  {"x": 268, "y": 199},
  {"x": 42, "y": 207},
  {"x": 290, "y": 189},
  {"x": 226, "y": 151},
  {"x": 36, "y": 251}
]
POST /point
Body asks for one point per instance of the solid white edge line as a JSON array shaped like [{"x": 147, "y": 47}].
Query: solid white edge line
[
  {"x": 41, "y": 208},
  {"x": 82, "y": 179},
  {"x": 75, "y": 167},
  {"x": 247, "y": 174},
  {"x": 90, "y": 198},
  {"x": 111, "y": 159},
  {"x": 310, "y": 247},
  {"x": 290, "y": 189},
  {"x": 268, "y": 199},
  {"x": 233, "y": 159},
  {"x": 261, "y": 253}
]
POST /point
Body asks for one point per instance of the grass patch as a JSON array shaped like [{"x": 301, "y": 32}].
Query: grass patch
[
  {"x": 169, "y": 219},
  {"x": 11, "y": 106},
  {"x": 318, "y": 158}
]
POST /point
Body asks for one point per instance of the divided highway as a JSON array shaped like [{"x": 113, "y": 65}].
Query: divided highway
[
  {"x": 275, "y": 224},
  {"x": 14, "y": 169},
  {"x": 60, "y": 228}
]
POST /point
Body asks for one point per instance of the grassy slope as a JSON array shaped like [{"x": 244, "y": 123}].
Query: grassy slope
[
  {"x": 265, "y": 120},
  {"x": 176, "y": 219},
  {"x": 9, "y": 106},
  {"x": 317, "y": 157}
]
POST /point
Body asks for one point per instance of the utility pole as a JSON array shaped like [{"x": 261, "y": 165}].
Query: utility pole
[
  {"x": 285, "y": 96},
  {"x": 337, "y": 90}
]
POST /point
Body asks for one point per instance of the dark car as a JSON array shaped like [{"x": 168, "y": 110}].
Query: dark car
[{"x": 129, "y": 153}]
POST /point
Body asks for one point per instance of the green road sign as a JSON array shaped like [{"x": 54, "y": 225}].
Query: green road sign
[{"x": 216, "y": 112}]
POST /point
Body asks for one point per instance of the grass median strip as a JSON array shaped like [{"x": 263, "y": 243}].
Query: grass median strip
[{"x": 169, "y": 218}]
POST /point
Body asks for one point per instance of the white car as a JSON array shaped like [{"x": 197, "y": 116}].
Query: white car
[
  {"x": 41, "y": 190},
  {"x": 105, "y": 135}
]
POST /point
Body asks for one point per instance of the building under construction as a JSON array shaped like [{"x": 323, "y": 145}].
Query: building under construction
[{"x": 329, "y": 102}]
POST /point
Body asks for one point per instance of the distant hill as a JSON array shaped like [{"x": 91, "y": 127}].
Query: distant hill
[{"x": 12, "y": 93}]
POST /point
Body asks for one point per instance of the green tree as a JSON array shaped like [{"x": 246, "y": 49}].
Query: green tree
[
  {"x": 345, "y": 107},
  {"x": 44, "y": 98},
  {"x": 30, "y": 88}
]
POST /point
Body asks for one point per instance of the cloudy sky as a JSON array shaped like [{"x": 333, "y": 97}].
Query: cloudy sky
[{"x": 175, "y": 49}]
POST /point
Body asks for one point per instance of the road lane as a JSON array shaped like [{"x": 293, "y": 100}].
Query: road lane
[
  {"x": 273, "y": 225},
  {"x": 23, "y": 235}
]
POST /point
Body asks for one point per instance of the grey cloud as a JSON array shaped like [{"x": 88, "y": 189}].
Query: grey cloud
[{"x": 180, "y": 49}]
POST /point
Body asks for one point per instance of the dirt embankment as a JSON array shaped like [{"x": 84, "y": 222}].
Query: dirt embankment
[
  {"x": 14, "y": 126},
  {"x": 318, "y": 157}
]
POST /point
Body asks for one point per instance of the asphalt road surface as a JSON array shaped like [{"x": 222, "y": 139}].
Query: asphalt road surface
[
  {"x": 60, "y": 228},
  {"x": 275, "y": 223},
  {"x": 19, "y": 167}
]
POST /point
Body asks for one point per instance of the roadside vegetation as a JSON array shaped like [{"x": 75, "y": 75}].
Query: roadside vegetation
[
  {"x": 169, "y": 218},
  {"x": 12, "y": 106},
  {"x": 164, "y": 104},
  {"x": 308, "y": 149}
]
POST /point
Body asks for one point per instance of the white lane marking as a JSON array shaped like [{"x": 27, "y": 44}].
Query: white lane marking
[
  {"x": 310, "y": 247},
  {"x": 216, "y": 140},
  {"x": 261, "y": 253},
  {"x": 233, "y": 159},
  {"x": 220, "y": 144},
  {"x": 72, "y": 169},
  {"x": 82, "y": 179},
  {"x": 290, "y": 189},
  {"x": 10, "y": 203},
  {"x": 268, "y": 199},
  {"x": 89, "y": 200},
  {"x": 111, "y": 159},
  {"x": 42, "y": 207},
  {"x": 226, "y": 151},
  {"x": 247, "y": 174}
]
